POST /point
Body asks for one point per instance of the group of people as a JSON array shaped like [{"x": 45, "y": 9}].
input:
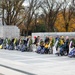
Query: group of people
[
  {"x": 58, "y": 45},
  {"x": 21, "y": 44}
]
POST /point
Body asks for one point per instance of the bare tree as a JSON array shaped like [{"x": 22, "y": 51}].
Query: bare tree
[
  {"x": 36, "y": 20},
  {"x": 10, "y": 11},
  {"x": 67, "y": 13},
  {"x": 51, "y": 9},
  {"x": 2, "y": 11},
  {"x": 30, "y": 11}
]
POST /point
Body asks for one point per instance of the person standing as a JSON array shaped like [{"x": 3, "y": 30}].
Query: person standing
[{"x": 67, "y": 44}]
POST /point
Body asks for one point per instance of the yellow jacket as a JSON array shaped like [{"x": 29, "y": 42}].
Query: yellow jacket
[
  {"x": 61, "y": 42},
  {"x": 46, "y": 45}
]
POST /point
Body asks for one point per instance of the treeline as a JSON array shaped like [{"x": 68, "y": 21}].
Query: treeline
[{"x": 39, "y": 15}]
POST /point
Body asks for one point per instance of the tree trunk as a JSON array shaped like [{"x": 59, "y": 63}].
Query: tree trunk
[
  {"x": 3, "y": 17},
  {"x": 51, "y": 27},
  {"x": 27, "y": 31},
  {"x": 66, "y": 27},
  {"x": 35, "y": 24}
]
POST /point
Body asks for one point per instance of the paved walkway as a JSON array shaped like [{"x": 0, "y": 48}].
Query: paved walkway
[{"x": 30, "y": 63}]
